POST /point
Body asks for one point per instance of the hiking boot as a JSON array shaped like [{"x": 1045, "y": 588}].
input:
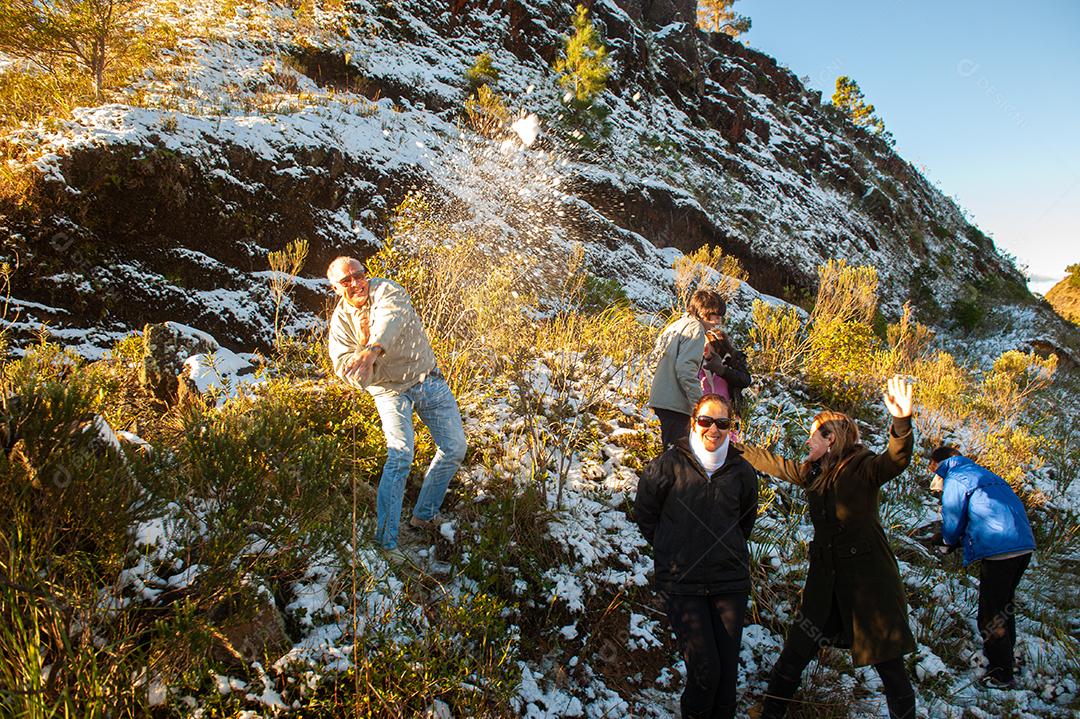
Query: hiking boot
[
  {"x": 1002, "y": 685},
  {"x": 427, "y": 525}
]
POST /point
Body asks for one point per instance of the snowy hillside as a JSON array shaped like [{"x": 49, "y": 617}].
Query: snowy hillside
[{"x": 259, "y": 125}]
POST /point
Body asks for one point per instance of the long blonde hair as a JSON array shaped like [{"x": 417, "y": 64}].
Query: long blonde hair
[{"x": 846, "y": 440}]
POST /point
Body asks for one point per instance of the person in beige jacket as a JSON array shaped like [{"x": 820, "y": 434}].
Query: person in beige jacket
[
  {"x": 678, "y": 354},
  {"x": 377, "y": 343}
]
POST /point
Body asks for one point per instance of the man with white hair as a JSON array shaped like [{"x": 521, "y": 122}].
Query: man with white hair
[{"x": 377, "y": 343}]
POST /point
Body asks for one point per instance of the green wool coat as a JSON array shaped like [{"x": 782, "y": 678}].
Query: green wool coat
[{"x": 853, "y": 595}]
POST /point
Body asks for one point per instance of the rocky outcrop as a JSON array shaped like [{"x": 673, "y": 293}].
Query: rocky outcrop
[{"x": 167, "y": 345}]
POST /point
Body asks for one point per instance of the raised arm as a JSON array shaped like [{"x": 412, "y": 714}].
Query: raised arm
[
  {"x": 896, "y": 457},
  {"x": 771, "y": 464}
]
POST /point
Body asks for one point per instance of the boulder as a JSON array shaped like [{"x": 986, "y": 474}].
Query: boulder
[{"x": 167, "y": 346}]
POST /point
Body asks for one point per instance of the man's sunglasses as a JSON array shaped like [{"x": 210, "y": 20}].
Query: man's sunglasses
[
  {"x": 354, "y": 278},
  {"x": 720, "y": 422}
]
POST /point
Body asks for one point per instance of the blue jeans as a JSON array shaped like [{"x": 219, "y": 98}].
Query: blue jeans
[{"x": 434, "y": 403}]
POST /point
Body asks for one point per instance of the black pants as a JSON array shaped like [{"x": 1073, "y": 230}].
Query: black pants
[
  {"x": 709, "y": 633},
  {"x": 787, "y": 675},
  {"x": 997, "y": 612},
  {"x": 673, "y": 426}
]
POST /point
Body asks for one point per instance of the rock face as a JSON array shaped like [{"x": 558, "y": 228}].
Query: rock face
[{"x": 144, "y": 215}]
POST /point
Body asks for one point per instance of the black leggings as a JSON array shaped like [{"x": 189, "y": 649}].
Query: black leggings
[{"x": 709, "y": 632}]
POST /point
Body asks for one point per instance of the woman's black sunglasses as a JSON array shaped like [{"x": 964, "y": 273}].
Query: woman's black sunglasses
[{"x": 720, "y": 422}]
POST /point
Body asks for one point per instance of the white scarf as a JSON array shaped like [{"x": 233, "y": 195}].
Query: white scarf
[{"x": 711, "y": 461}]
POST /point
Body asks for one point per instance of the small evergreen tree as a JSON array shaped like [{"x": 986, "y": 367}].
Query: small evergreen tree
[
  {"x": 50, "y": 33},
  {"x": 717, "y": 16},
  {"x": 849, "y": 98},
  {"x": 482, "y": 72},
  {"x": 583, "y": 66}
]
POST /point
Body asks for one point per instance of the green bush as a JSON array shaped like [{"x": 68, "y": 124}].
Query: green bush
[
  {"x": 67, "y": 500},
  {"x": 482, "y": 72},
  {"x": 841, "y": 364},
  {"x": 250, "y": 494}
]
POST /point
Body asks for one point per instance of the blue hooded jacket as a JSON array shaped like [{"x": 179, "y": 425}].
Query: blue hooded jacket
[{"x": 980, "y": 508}]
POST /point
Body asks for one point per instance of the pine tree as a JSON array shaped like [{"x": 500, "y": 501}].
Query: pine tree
[
  {"x": 717, "y": 16},
  {"x": 49, "y": 33},
  {"x": 583, "y": 66},
  {"x": 849, "y": 98}
]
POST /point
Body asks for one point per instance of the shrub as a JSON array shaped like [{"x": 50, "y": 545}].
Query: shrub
[
  {"x": 1073, "y": 271},
  {"x": 841, "y": 361},
  {"x": 707, "y": 268},
  {"x": 908, "y": 344},
  {"x": 485, "y": 112},
  {"x": 968, "y": 310},
  {"x": 601, "y": 293},
  {"x": 285, "y": 265},
  {"x": 119, "y": 397},
  {"x": 776, "y": 339},
  {"x": 943, "y": 396},
  {"x": 1011, "y": 453},
  {"x": 1011, "y": 383},
  {"x": 67, "y": 499},
  {"x": 841, "y": 365},
  {"x": 845, "y": 294}
]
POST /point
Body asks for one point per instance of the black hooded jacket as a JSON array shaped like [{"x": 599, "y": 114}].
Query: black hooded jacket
[{"x": 698, "y": 525}]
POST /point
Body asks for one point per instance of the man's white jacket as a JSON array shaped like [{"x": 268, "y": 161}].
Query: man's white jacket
[{"x": 393, "y": 324}]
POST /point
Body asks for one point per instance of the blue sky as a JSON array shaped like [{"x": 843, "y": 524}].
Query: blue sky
[{"x": 983, "y": 97}]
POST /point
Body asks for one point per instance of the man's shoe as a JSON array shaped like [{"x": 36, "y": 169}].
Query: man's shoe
[
  {"x": 991, "y": 683},
  {"x": 401, "y": 558},
  {"x": 412, "y": 536},
  {"x": 428, "y": 525}
]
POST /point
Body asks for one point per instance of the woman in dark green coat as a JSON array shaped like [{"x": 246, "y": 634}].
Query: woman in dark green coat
[{"x": 853, "y": 596}]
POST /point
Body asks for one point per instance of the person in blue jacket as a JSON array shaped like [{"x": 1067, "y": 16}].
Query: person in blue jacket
[{"x": 980, "y": 511}]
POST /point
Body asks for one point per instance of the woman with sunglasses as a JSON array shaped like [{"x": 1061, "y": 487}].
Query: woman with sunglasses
[
  {"x": 853, "y": 596},
  {"x": 696, "y": 504}
]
